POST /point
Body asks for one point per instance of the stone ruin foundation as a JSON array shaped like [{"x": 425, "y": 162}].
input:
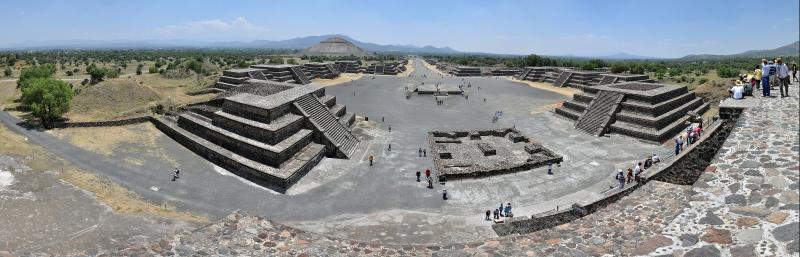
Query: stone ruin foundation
[{"x": 475, "y": 153}]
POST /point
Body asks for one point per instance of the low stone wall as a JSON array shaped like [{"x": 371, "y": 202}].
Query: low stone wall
[
  {"x": 684, "y": 169},
  {"x": 108, "y": 123}
]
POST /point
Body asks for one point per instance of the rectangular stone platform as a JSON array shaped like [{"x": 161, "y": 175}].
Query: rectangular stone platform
[{"x": 461, "y": 154}]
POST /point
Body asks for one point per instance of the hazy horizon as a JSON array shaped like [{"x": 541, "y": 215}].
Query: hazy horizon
[{"x": 578, "y": 28}]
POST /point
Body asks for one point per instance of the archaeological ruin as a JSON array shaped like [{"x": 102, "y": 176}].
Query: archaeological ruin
[
  {"x": 476, "y": 153},
  {"x": 335, "y": 46},
  {"x": 271, "y": 133},
  {"x": 647, "y": 111}
]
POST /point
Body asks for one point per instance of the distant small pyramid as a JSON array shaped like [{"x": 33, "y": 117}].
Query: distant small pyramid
[{"x": 335, "y": 46}]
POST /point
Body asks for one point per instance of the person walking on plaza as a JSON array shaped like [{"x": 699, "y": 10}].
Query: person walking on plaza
[
  {"x": 176, "y": 174},
  {"x": 496, "y": 214},
  {"x": 430, "y": 183},
  {"x": 501, "y": 209},
  {"x": 507, "y": 211},
  {"x": 428, "y": 173},
  {"x": 783, "y": 78},
  {"x": 444, "y": 194},
  {"x": 621, "y": 179},
  {"x": 418, "y": 175},
  {"x": 488, "y": 214},
  {"x": 549, "y": 168},
  {"x": 420, "y": 152},
  {"x": 424, "y": 153},
  {"x": 370, "y": 160},
  {"x": 765, "y": 73}
]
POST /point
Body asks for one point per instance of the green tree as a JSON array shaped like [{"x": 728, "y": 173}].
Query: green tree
[
  {"x": 152, "y": 70},
  {"x": 7, "y": 72},
  {"x": 35, "y": 72},
  {"x": 726, "y": 72},
  {"x": 96, "y": 74},
  {"x": 139, "y": 69},
  {"x": 47, "y": 99},
  {"x": 619, "y": 68}
]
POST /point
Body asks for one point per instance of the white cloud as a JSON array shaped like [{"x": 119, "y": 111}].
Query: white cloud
[{"x": 210, "y": 27}]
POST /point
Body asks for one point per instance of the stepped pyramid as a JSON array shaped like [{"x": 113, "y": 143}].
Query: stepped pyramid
[
  {"x": 335, "y": 46},
  {"x": 271, "y": 133}
]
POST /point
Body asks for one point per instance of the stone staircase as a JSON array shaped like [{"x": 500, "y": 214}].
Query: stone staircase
[
  {"x": 562, "y": 79},
  {"x": 326, "y": 122},
  {"x": 598, "y": 116},
  {"x": 300, "y": 75},
  {"x": 607, "y": 80},
  {"x": 524, "y": 73}
]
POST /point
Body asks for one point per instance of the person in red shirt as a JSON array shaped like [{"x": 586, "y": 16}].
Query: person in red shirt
[{"x": 427, "y": 173}]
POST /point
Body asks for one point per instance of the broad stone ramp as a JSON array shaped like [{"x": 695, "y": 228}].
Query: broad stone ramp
[
  {"x": 524, "y": 73},
  {"x": 598, "y": 115},
  {"x": 562, "y": 79},
  {"x": 301, "y": 77},
  {"x": 322, "y": 118}
]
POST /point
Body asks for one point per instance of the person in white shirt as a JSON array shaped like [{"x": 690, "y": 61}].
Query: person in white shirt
[
  {"x": 765, "y": 77},
  {"x": 737, "y": 92},
  {"x": 783, "y": 77}
]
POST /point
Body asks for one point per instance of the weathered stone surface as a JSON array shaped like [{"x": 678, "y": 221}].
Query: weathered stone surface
[
  {"x": 777, "y": 217},
  {"x": 743, "y": 251},
  {"x": 750, "y": 211},
  {"x": 711, "y": 219},
  {"x": 717, "y": 236},
  {"x": 705, "y": 251},
  {"x": 787, "y": 232},
  {"x": 688, "y": 240}
]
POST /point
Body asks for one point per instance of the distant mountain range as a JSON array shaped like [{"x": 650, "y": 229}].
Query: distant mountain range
[
  {"x": 792, "y": 49},
  {"x": 299, "y": 43}
]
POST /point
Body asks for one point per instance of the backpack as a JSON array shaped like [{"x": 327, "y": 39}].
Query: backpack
[{"x": 772, "y": 70}]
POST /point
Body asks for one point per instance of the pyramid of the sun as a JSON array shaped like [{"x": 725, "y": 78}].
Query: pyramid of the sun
[{"x": 335, "y": 46}]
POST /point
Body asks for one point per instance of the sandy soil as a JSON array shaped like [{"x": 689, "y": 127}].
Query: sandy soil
[
  {"x": 409, "y": 69},
  {"x": 105, "y": 140},
  {"x": 343, "y": 78},
  {"x": 567, "y": 91}
]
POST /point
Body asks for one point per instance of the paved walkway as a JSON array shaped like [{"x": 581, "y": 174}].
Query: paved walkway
[{"x": 746, "y": 204}]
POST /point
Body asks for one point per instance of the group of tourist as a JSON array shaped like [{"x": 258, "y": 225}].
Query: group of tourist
[
  {"x": 691, "y": 136},
  {"x": 766, "y": 76},
  {"x": 637, "y": 170},
  {"x": 502, "y": 211}
]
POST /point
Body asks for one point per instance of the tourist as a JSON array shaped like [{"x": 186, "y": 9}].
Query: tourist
[
  {"x": 549, "y": 168},
  {"x": 176, "y": 174},
  {"x": 444, "y": 194},
  {"x": 783, "y": 78},
  {"x": 420, "y": 152},
  {"x": 648, "y": 162},
  {"x": 488, "y": 213},
  {"x": 370, "y": 160},
  {"x": 390, "y": 128},
  {"x": 794, "y": 72},
  {"x": 621, "y": 179},
  {"x": 736, "y": 92},
  {"x": 496, "y": 214},
  {"x": 390, "y": 147},
  {"x": 757, "y": 76},
  {"x": 630, "y": 176},
  {"x": 678, "y": 144},
  {"x": 507, "y": 211},
  {"x": 637, "y": 170},
  {"x": 430, "y": 183},
  {"x": 427, "y": 173},
  {"x": 424, "y": 153},
  {"x": 656, "y": 159},
  {"x": 418, "y": 174},
  {"x": 501, "y": 209},
  {"x": 697, "y": 130},
  {"x": 765, "y": 73}
]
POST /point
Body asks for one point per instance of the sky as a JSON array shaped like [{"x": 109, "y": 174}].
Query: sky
[{"x": 656, "y": 28}]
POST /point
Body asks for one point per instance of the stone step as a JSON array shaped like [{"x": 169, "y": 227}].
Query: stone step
[
  {"x": 268, "y": 154},
  {"x": 659, "y": 122},
  {"x": 279, "y": 179},
  {"x": 269, "y": 133}
]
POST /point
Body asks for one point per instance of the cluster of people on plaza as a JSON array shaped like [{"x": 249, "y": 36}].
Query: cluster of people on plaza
[
  {"x": 636, "y": 171},
  {"x": 502, "y": 211},
  {"x": 766, "y": 76}
]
